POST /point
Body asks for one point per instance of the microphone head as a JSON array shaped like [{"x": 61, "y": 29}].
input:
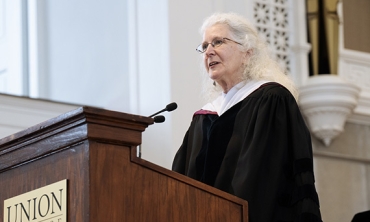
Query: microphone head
[
  {"x": 170, "y": 107},
  {"x": 159, "y": 119}
]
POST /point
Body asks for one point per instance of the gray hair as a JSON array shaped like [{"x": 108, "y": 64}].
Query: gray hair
[{"x": 261, "y": 65}]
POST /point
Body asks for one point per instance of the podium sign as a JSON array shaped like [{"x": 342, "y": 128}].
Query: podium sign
[{"x": 46, "y": 204}]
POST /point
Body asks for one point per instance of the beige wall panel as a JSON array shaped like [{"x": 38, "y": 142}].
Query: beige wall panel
[
  {"x": 356, "y": 25},
  {"x": 342, "y": 188},
  {"x": 342, "y": 173}
]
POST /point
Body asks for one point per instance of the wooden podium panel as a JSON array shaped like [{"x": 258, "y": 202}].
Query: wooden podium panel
[{"x": 95, "y": 150}]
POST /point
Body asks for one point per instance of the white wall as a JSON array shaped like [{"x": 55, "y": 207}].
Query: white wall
[
  {"x": 87, "y": 51},
  {"x": 12, "y": 50}
]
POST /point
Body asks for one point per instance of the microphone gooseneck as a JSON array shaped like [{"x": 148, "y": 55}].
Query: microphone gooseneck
[{"x": 170, "y": 107}]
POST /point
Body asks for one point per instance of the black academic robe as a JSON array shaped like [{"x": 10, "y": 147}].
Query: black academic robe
[
  {"x": 259, "y": 150},
  {"x": 362, "y": 217}
]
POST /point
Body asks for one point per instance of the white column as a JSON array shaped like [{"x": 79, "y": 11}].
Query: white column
[
  {"x": 298, "y": 42},
  {"x": 38, "y": 49},
  {"x": 12, "y": 31}
]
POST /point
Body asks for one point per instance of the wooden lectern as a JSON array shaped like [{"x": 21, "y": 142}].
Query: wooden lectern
[{"x": 95, "y": 150}]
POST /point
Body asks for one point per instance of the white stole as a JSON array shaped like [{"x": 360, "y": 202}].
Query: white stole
[{"x": 236, "y": 94}]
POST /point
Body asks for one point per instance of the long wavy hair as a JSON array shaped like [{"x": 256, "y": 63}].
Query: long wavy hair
[{"x": 260, "y": 64}]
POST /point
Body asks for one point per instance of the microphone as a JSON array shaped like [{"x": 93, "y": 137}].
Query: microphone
[
  {"x": 170, "y": 107},
  {"x": 159, "y": 119}
]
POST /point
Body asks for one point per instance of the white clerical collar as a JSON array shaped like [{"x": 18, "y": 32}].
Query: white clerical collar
[{"x": 236, "y": 94}]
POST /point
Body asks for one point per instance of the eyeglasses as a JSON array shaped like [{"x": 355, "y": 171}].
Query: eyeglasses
[{"x": 215, "y": 43}]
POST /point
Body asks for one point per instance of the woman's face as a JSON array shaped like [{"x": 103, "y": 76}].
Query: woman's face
[{"x": 224, "y": 64}]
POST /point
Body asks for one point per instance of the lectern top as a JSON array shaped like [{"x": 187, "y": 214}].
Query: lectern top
[{"x": 70, "y": 128}]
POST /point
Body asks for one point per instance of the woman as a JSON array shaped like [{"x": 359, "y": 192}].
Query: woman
[{"x": 250, "y": 141}]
